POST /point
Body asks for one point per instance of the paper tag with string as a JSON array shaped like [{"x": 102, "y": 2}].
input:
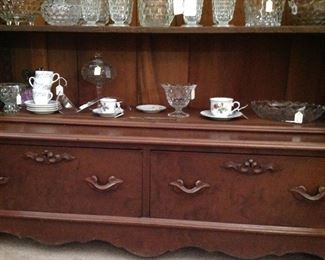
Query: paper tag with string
[
  {"x": 18, "y": 99},
  {"x": 269, "y": 6},
  {"x": 59, "y": 90}
]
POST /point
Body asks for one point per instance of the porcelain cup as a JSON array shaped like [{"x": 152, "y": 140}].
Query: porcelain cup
[
  {"x": 44, "y": 77},
  {"x": 41, "y": 96},
  {"x": 41, "y": 86},
  {"x": 223, "y": 106},
  {"x": 109, "y": 105}
]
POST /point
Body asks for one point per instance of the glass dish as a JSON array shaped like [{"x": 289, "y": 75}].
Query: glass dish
[
  {"x": 223, "y": 11},
  {"x": 121, "y": 12},
  {"x": 178, "y": 97},
  {"x": 19, "y": 11},
  {"x": 61, "y": 12},
  {"x": 263, "y": 12},
  {"x": 9, "y": 93},
  {"x": 307, "y": 12},
  {"x": 286, "y": 110},
  {"x": 192, "y": 12}
]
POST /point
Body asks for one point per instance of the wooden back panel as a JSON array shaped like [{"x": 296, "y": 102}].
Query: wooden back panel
[{"x": 246, "y": 66}]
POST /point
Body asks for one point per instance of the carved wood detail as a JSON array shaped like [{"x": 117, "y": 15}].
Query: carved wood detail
[
  {"x": 48, "y": 157},
  {"x": 199, "y": 185},
  {"x": 112, "y": 183},
  {"x": 302, "y": 192},
  {"x": 3, "y": 180},
  {"x": 250, "y": 167}
]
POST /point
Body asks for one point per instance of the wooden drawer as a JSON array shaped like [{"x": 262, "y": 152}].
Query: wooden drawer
[
  {"x": 55, "y": 179},
  {"x": 233, "y": 188}
]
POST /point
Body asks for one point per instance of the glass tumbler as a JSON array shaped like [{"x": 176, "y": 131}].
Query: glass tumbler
[
  {"x": 157, "y": 13},
  {"x": 103, "y": 12},
  {"x": 90, "y": 11},
  {"x": 121, "y": 12},
  {"x": 223, "y": 11},
  {"x": 192, "y": 12},
  {"x": 263, "y": 12}
]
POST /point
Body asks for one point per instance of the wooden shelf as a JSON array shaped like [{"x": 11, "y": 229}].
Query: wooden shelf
[
  {"x": 168, "y": 30},
  {"x": 134, "y": 119}
]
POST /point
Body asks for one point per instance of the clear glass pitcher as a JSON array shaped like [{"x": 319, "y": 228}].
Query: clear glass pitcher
[{"x": 264, "y": 12}]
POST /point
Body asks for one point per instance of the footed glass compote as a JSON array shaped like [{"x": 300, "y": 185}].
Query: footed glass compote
[
  {"x": 98, "y": 73},
  {"x": 178, "y": 97},
  {"x": 8, "y": 95}
]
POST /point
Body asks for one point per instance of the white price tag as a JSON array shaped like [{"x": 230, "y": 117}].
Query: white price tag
[
  {"x": 18, "y": 99},
  {"x": 178, "y": 7},
  {"x": 299, "y": 118},
  {"x": 193, "y": 94},
  {"x": 269, "y": 6},
  {"x": 190, "y": 7},
  {"x": 59, "y": 90},
  {"x": 97, "y": 71}
]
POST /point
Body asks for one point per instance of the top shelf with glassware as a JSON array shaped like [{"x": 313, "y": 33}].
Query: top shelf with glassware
[{"x": 168, "y": 30}]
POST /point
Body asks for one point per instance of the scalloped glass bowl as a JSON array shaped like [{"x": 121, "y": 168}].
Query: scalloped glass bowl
[
  {"x": 61, "y": 12},
  {"x": 286, "y": 110},
  {"x": 19, "y": 11}
]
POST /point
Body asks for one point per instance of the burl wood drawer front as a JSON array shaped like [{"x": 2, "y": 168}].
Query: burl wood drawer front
[
  {"x": 269, "y": 190},
  {"x": 72, "y": 180}
]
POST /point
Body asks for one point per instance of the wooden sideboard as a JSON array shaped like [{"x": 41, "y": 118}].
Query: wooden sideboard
[{"x": 152, "y": 184}]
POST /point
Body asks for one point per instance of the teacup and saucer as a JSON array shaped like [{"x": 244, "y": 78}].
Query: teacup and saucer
[
  {"x": 223, "y": 108},
  {"x": 110, "y": 107}
]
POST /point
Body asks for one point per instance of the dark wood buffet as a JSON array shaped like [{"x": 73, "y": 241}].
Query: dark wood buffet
[{"x": 152, "y": 184}]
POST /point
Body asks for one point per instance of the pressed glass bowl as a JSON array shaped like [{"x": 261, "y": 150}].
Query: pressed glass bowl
[
  {"x": 286, "y": 110},
  {"x": 19, "y": 11},
  {"x": 8, "y": 95},
  {"x": 61, "y": 13}
]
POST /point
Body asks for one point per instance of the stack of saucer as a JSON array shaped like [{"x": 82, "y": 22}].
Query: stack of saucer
[{"x": 49, "y": 108}]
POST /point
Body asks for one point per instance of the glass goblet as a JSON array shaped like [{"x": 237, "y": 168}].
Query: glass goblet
[
  {"x": 223, "y": 11},
  {"x": 121, "y": 12},
  {"x": 178, "y": 97},
  {"x": 90, "y": 11},
  {"x": 192, "y": 12}
]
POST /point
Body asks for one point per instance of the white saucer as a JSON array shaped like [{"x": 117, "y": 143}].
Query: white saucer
[
  {"x": 207, "y": 113},
  {"x": 42, "y": 112},
  {"x": 150, "y": 108},
  {"x": 98, "y": 111},
  {"x": 51, "y": 104}
]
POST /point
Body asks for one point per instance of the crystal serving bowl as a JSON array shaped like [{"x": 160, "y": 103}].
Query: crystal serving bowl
[
  {"x": 61, "y": 12},
  {"x": 178, "y": 97},
  {"x": 286, "y": 110},
  {"x": 19, "y": 11}
]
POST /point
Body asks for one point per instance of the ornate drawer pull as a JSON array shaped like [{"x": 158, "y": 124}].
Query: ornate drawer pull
[
  {"x": 199, "y": 185},
  {"x": 3, "y": 180},
  {"x": 112, "y": 183},
  {"x": 250, "y": 167},
  {"x": 302, "y": 191},
  {"x": 48, "y": 157}
]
